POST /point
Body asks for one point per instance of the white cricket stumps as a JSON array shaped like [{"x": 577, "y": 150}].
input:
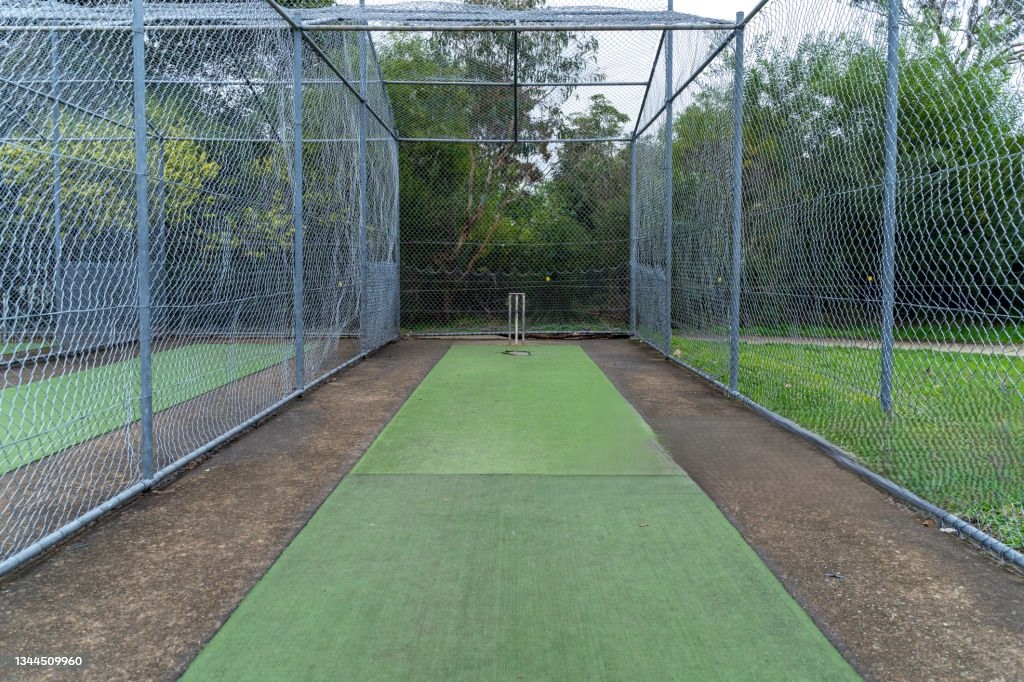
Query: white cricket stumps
[{"x": 516, "y": 319}]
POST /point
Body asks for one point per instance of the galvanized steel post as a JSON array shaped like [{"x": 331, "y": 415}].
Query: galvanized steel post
[
  {"x": 632, "y": 237},
  {"x": 58, "y": 208},
  {"x": 364, "y": 315},
  {"x": 737, "y": 212},
  {"x": 142, "y": 238},
  {"x": 888, "y": 274},
  {"x": 669, "y": 73},
  {"x": 398, "y": 241},
  {"x": 515, "y": 86},
  {"x": 298, "y": 277}
]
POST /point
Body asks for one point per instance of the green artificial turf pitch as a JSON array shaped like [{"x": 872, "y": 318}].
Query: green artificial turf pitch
[
  {"x": 483, "y": 412},
  {"x": 541, "y": 562},
  {"x": 40, "y": 418}
]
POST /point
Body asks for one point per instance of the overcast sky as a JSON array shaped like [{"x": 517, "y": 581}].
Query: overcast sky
[
  {"x": 714, "y": 9},
  {"x": 628, "y": 56}
]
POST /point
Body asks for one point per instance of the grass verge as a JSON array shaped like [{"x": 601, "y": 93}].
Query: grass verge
[
  {"x": 956, "y": 434},
  {"x": 14, "y": 347}
]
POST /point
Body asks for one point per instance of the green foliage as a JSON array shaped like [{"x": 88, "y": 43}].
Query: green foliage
[
  {"x": 813, "y": 130},
  {"x": 96, "y": 170},
  {"x": 468, "y": 209},
  {"x": 954, "y": 434},
  {"x": 593, "y": 178}
]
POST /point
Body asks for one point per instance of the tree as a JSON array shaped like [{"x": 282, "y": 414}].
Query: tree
[
  {"x": 457, "y": 198},
  {"x": 594, "y": 177},
  {"x": 814, "y": 164},
  {"x": 97, "y": 175}
]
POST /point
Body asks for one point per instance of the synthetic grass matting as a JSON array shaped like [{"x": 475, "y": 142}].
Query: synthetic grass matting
[
  {"x": 604, "y": 570},
  {"x": 40, "y": 418},
  {"x": 483, "y": 412}
]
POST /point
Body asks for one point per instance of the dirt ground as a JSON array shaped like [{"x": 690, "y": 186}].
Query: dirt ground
[
  {"x": 899, "y": 599},
  {"x": 43, "y": 495},
  {"x": 138, "y": 593}
]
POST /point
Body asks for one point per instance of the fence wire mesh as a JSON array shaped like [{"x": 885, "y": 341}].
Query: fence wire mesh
[
  {"x": 594, "y": 170},
  {"x": 509, "y": 219},
  {"x": 221, "y": 182},
  {"x": 814, "y": 311},
  {"x": 530, "y": 193},
  {"x": 702, "y": 204}
]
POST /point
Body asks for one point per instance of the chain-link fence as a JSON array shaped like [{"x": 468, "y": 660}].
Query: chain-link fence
[
  {"x": 820, "y": 211},
  {"x": 174, "y": 142},
  {"x": 872, "y": 290},
  {"x": 536, "y": 231},
  {"x": 515, "y": 176}
]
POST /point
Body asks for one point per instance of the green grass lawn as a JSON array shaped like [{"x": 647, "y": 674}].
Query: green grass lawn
[
  {"x": 966, "y": 333},
  {"x": 12, "y": 347},
  {"x": 40, "y": 418},
  {"x": 956, "y": 436}
]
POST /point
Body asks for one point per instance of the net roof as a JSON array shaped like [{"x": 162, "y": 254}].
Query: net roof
[
  {"x": 382, "y": 16},
  {"x": 456, "y": 13}
]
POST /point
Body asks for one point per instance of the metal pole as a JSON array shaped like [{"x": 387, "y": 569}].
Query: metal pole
[
  {"x": 647, "y": 90},
  {"x": 669, "y": 72},
  {"x": 398, "y": 240},
  {"x": 708, "y": 61},
  {"x": 327, "y": 60},
  {"x": 363, "y": 293},
  {"x": 142, "y": 238},
  {"x": 298, "y": 277},
  {"x": 888, "y": 278},
  {"x": 58, "y": 209},
  {"x": 515, "y": 86},
  {"x": 578, "y": 27},
  {"x": 632, "y": 238},
  {"x": 509, "y": 140},
  {"x": 737, "y": 213}
]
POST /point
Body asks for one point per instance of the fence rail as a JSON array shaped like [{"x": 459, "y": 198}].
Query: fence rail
[
  {"x": 847, "y": 239},
  {"x": 180, "y": 220}
]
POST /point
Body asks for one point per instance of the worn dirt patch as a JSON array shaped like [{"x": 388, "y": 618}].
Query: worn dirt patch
[
  {"x": 41, "y": 496},
  {"x": 899, "y": 599},
  {"x": 138, "y": 593}
]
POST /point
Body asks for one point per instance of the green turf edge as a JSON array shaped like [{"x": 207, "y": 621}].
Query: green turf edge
[
  {"x": 420, "y": 577},
  {"x": 13, "y": 347},
  {"x": 554, "y": 412},
  {"x": 41, "y": 418}
]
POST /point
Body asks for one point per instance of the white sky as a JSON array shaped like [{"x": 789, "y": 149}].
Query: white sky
[
  {"x": 628, "y": 56},
  {"x": 713, "y": 9}
]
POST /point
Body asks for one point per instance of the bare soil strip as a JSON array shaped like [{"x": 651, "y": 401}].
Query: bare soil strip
[
  {"x": 899, "y": 599},
  {"x": 138, "y": 593}
]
